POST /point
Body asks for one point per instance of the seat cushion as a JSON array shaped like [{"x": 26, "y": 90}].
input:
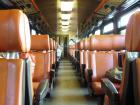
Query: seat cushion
[
  {"x": 11, "y": 81},
  {"x": 96, "y": 87}
]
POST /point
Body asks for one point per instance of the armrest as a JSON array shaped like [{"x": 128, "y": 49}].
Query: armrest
[
  {"x": 83, "y": 70},
  {"x": 110, "y": 91},
  {"x": 52, "y": 75},
  {"x": 77, "y": 65},
  {"x": 53, "y": 66},
  {"x": 89, "y": 75},
  {"x": 83, "y": 66},
  {"x": 42, "y": 89}
]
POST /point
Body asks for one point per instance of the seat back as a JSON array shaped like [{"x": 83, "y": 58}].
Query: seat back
[
  {"x": 103, "y": 58},
  {"x": 40, "y": 49},
  {"x": 12, "y": 73}
]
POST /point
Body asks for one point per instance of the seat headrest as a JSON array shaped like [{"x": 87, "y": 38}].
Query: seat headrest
[
  {"x": 81, "y": 45},
  {"x": 118, "y": 42},
  {"x": 54, "y": 45},
  {"x": 132, "y": 42},
  {"x": 86, "y": 43},
  {"x": 40, "y": 42},
  {"x": 14, "y": 31},
  {"x": 51, "y": 44},
  {"x": 107, "y": 42}
]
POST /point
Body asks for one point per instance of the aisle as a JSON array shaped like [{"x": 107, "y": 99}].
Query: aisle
[{"x": 68, "y": 90}]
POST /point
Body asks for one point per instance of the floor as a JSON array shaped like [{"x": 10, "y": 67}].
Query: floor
[{"x": 68, "y": 90}]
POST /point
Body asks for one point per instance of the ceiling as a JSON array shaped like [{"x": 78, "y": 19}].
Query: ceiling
[{"x": 51, "y": 9}]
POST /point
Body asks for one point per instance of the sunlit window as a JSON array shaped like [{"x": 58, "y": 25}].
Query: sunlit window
[
  {"x": 122, "y": 32},
  {"x": 125, "y": 18},
  {"x": 33, "y": 32},
  {"x": 66, "y": 5},
  {"x": 100, "y": 22},
  {"x": 98, "y": 32},
  {"x": 109, "y": 27}
]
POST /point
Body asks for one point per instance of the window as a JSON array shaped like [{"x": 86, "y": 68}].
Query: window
[
  {"x": 33, "y": 32},
  {"x": 99, "y": 23},
  {"x": 122, "y": 32},
  {"x": 109, "y": 27},
  {"x": 125, "y": 18},
  {"x": 98, "y": 32}
]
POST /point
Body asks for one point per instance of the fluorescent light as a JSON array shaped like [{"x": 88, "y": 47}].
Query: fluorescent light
[
  {"x": 65, "y": 22},
  {"x": 65, "y": 16},
  {"x": 66, "y": 5},
  {"x": 65, "y": 30},
  {"x": 65, "y": 27}
]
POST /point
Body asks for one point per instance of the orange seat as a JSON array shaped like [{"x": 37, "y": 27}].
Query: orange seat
[
  {"x": 102, "y": 59},
  {"x": 40, "y": 47},
  {"x": 15, "y": 37}
]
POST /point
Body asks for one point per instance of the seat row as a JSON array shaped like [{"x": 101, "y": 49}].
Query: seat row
[
  {"x": 27, "y": 78},
  {"x": 97, "y": 55}
]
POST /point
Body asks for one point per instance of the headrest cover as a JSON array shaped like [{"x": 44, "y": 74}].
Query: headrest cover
[
  {"x": 40, "y": 42},
  {"x": 132, "y": 42},
  {"x": 107, "y": 42},
  {"x": 81, "y": 45},
  {"x": 14, "y": 31}
]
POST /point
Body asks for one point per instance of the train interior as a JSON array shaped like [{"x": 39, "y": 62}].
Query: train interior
[{"x": 69, "y": 52}]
